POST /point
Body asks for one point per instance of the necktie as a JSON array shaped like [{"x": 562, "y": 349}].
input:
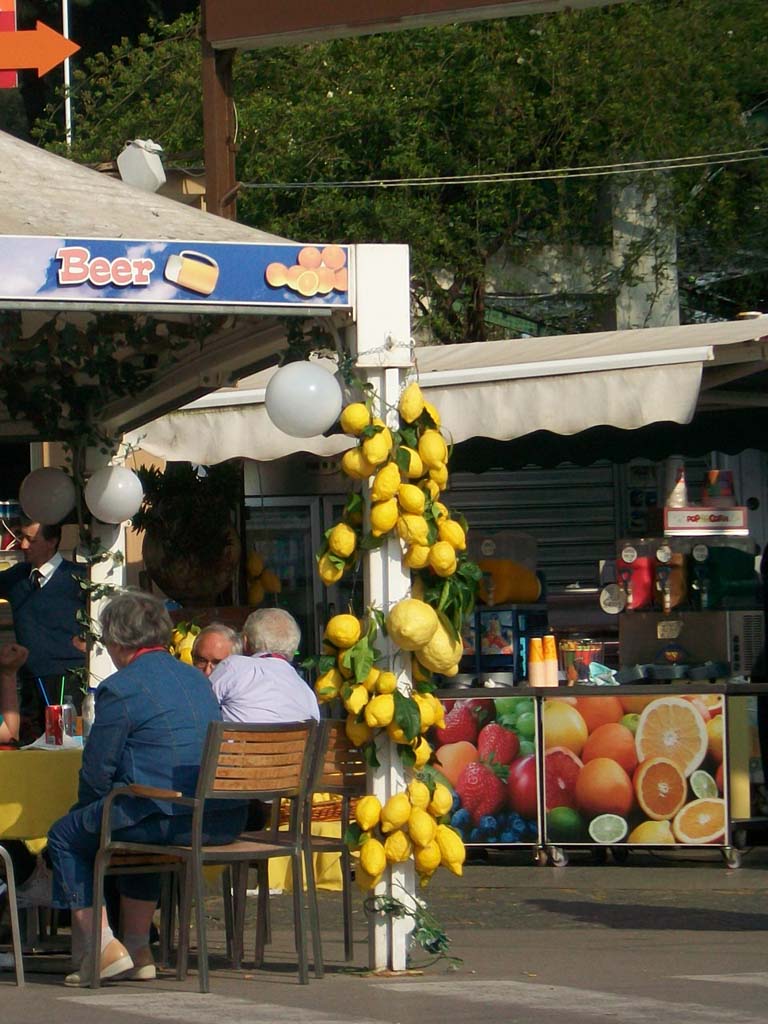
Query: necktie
[{"x": 37, "y": 578}]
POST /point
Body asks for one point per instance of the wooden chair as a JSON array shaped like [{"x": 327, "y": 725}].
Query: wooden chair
[
  {"x": 13, "y": 913},
  {"x": 341, "y": 772},
  {"x": 271, "y": 763}
]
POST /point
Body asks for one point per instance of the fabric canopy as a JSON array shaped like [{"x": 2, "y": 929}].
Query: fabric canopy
[{"x": 505, "y": 390}]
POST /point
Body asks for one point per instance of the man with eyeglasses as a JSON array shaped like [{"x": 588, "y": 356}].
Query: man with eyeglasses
[{"x": 214, "y": 644}]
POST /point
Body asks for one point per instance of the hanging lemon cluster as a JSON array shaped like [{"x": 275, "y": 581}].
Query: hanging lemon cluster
[
  {"x": 261, "y": 581},
  {"x": 183, "y": 639},
  {"x": 410, "y": 824}
]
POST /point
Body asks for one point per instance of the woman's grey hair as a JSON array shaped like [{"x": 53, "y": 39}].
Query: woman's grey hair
[
  {"x": 232, "y": 638},
  {"x": 136, "y": 619},
  {"x": 272, "y": 631}
]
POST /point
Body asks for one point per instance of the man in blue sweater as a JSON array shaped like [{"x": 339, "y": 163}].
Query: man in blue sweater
[{"x": 45, "y": 596}]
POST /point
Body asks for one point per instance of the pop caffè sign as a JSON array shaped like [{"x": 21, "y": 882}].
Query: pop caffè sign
[{"x": 101, "y": 271}]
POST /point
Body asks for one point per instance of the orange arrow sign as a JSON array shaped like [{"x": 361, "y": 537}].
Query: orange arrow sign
[{"x": 42, "y": 48}]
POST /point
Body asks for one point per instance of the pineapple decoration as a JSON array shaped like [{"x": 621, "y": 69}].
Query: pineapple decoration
[
  {"x": 409, "y": 471},
  {"x": 261, "y": 580}
]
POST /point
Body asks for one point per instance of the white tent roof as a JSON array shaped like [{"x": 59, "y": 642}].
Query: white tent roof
[{"x": 505, "y": 390}]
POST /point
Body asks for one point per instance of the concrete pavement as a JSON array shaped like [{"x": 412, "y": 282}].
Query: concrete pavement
[{"x": 676, "y": 938}]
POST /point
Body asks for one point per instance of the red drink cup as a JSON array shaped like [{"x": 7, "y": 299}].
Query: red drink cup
[{"x": 54, "y": 725}]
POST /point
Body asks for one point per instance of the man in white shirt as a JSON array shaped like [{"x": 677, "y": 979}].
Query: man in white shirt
[{"x": 262, "y": 685}]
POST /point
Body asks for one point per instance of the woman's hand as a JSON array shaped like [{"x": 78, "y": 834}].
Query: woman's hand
[{"x": 12, "y": 657}]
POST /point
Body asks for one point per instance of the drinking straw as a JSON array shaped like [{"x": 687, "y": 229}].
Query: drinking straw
[
  {"x": 61, "y": 698},
  {"x": 41, "y": 684}
]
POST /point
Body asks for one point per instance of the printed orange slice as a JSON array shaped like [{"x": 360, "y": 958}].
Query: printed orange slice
[
  {"x": 660, "y": 788},
  {"x": 672, "y": 728},
  {"x": 700, "y": 822}
]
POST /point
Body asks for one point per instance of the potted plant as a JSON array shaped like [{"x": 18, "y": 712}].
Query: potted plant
[{"x": 191, "y": 548}]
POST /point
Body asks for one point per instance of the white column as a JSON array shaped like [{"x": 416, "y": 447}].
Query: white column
[{"x": 381, "y": 341}]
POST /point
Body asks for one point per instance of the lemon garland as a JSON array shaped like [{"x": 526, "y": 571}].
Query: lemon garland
[{"x": 409, "y": 466}]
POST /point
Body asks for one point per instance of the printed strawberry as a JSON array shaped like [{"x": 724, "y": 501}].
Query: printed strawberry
[
  {"x": 495, "y": 743},
  {"x": 483, "y": 709},
  {"x": 460, "y": 724},
  {"x": 482, "y": 789}
]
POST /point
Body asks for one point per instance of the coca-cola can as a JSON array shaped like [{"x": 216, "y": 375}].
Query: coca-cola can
[{"x": 54, "y": 725}]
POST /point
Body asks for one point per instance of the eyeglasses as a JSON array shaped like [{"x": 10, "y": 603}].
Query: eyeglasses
[{"x": 202, "y": 662}]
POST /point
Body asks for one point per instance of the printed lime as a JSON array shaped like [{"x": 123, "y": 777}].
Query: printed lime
[
  {"x": 703, "y": 785},
  {"x": 608, "y": 828},
  {"x": 565, "y": 825}
]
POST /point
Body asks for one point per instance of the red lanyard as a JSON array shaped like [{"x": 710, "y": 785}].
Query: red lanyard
[
  {"x": 147, "y": 650},
  {"x": 282, "y": 657}
]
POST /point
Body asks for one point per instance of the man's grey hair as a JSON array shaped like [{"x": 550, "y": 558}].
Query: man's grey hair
[
  {"x": 272, "y": 631},
  {"x": 232, "y": 638},
  {"x": 136, "y": 619}
]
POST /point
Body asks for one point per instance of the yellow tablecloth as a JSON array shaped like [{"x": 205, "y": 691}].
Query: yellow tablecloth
[
  {"x": 36, "y": 788},
  {"x": 327, "y": 865}
]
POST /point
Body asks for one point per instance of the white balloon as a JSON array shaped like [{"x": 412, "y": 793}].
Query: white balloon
[
  {"x": 114, "y": 494},
  {"x": 47, "y": 495},
  {"x": 303, "y": 399}
]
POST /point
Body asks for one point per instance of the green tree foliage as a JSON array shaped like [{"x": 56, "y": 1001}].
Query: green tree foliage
[{"x": 650, "y": 80}]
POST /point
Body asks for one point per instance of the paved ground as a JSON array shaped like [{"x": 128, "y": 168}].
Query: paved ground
[{"x": 679, "y": 940}]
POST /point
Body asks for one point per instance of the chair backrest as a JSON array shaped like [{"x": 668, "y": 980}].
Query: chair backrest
[
  {"x": 257, "y": 762},
  {"x": 339, "y": 765}
]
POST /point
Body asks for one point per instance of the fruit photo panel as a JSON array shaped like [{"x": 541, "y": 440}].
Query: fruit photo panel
[
  {"x": 634, "y": 770},
  {"x": 487, "y": 755}
]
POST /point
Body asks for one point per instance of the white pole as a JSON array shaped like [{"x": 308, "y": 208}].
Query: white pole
[{"x": 67, "y": 80}]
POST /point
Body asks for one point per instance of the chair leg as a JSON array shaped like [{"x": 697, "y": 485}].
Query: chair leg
[
  {"x": 227, "y": 896},
  {"x": 263, "y": 923},
  {"x": 346, "y": 896},
  {"x": 168, "y": 894},
  {"x": 240, "y": 898},
  {"x": 13, "y": 913},
  {"x": 185, "y": 913},
  {"x": 94, "y": 953},
  {"x": 314, "y": 913},
  {"x": 299, "y": 922},
  {"x": 202, "y": 938}
]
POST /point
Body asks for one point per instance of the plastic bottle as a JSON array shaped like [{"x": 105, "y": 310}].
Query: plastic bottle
[
  {"x": 536, "y": 662},
  {"x": 550, "y": 661},
  {"x": 89, "y": 710}
]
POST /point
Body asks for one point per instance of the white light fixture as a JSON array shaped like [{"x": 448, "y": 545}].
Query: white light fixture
[
  {"x": 47, "y": 495},
  {"x": 113, "y": 494},
  {"x": 303, "y": 399},
  {"x": 139, "y": 164}
]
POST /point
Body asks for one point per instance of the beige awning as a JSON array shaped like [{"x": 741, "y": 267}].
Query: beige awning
[{"x": 505, "y": 389}]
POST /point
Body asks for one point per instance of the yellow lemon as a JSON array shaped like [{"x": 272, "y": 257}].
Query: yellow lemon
[
  {"x": 441, "y": 802},
  {"x": 380, "y": 710},
  {"x": 411, "y": 404},
  {"x": 452, "y": 851},
  {"x": 328, "y": 571},
  {"x": 434, "y": 415},
  {"x": 373, "y": 860},
  {"x": 415, "y": 465},
  {"x": 395, "y": 812},
  {"x": 354, "y": 418},
  {"x": 365, "y": 881},
  {"x": 439, "y": 711},
  {"x": 397, "y": 847},
  {"x": 343, "y": 630},
  {"x": 255, "y": 593},
  {"x": 652, "y": 833},
  {"x": 357, "y": 699},
  {"x": 396, "y": 734},
  {"x": 419, "y": 794},
  {"x": 386, "y": 483},
  {"x": 383, "y": 516},
  {"x": 346, "y": 672},
  {"x": 416, "y": 556},
  {"x": 413, "y": 529},
  {"x": 432, "y": 449},
  {"x": 327, "y": 685},
  {"x": 354, "y": 464},
  {"x": 426, "y": 711},
  {"x": 371, "y": 680},
  {"x": 427, "y": 858},
  {"x": 411, "y": 499},
  {"x": 368, "y": 812},
  {"x": 419, "y": 674},
  {"x": 386, "y": 683},
  {"x": 342, "y": 540},
  {"x": 411, "y": 624},
  {"x": 442, "y": 558},
  {"x": 430, "y": 487},
  {"x": 439, "y": 509},
  {"x": 358, "y": 733},
  {"x": 449, "y": 530},
  {"x": 271, "y": 582},
  {"x": 421, "y": 827},
  {"x": 184, "y": 649},
  {"x": 376, "y": 449},
  {"x": 254, "y": 565},
  {"x": 442, "y": 652},
  {"x": 423, "y": 752},
  {"x": 439, "y": 474}
]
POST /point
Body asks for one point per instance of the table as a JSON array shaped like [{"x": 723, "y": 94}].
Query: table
[{"x": 36, "y": 788}]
